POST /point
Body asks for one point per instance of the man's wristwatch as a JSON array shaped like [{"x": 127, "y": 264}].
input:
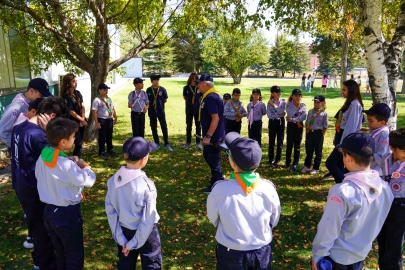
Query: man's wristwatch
[{"x": 208, "y": 136}]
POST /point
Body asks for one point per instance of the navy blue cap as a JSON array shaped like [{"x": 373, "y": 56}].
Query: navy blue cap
[
  {"x": 103, "y": 86},
  {"x": 155, "y": 76},
  {"x": 227, "y": 96},
  {"x": 41, "y": 86},
  {"x": 138, "y": 80},
  {"x": 257, "y": 90},
  {"x": 356, "y": 142},
  {"x": 35, "y": 103},
  {"x": 275, "y": 89},
  {"x": 319, "y": 98},
  {"x": 296, "y": 92},
  {"x": 137, "y": 148},
  {"x": 380, "y": 109},
  {"x": 245, "y": 152},
  {"x": 205, "y": 77}
]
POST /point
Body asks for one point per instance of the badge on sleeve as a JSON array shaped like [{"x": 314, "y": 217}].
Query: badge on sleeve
[
  {"x": 336, "y": 199},
  {"x": 396, "y": 175},
  {"x": 396, "y": 187}
]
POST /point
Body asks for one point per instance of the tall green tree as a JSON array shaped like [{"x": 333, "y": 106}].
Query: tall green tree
[
  {"x": 188, "y": 51},
  {"x": 287, "y": 55},
  {"x": 235, "y": 49},
  {"x": 78, "y": 33}
]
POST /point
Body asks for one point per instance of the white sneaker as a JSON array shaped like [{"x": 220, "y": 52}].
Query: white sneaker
[
  {"x": 168, "y": 148},
  {"x": 305, "y": 170},
  {"x": 199, "y": 147},
  {"x": 29, "y": 243},
  {"x": 36, "y": 267},
  {"x": 314, "y": 172}
]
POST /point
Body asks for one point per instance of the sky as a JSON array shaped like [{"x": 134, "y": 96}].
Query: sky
[{"x": 272, "y": 32}]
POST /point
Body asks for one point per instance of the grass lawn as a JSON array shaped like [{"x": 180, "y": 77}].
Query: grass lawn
[{"x": 188, "y": 238}]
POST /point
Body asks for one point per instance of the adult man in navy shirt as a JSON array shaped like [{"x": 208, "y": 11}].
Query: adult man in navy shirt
[
  {"x": 27, "y": 141},
  {"x": 213, "y": 126}
]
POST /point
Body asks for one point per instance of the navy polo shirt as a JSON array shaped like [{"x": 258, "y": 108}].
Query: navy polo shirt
[
  {"x": 160, "y": 102},
  {"x": 195, "y": 108},
  {"x": 213, "y": 104},
  {"x": 27, "y": 142}
]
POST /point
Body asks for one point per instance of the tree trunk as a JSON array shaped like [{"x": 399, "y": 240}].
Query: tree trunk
[
  {"x": 343, "y": 61},
  {"x": 382, "y": 69},
  {"x": 402, "y": 75},
  {"x": 282, "y": 74}
]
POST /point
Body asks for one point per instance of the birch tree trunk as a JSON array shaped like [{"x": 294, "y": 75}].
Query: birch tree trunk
[
  {"x": 382, "y": 59},
  {"x": 343, "y": 61}
]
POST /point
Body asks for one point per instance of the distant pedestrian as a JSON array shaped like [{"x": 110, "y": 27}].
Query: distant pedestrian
[
  {"x": 313, "y": 80},
  {"x": 303, "y": 81},
  {"x": 324, "y": 82},
  {"x": 335, "y": 84},
  {"x": 368, "y": 92},
  {"x": 329, "y": 81},
  {"x": 308, "y": 90}
]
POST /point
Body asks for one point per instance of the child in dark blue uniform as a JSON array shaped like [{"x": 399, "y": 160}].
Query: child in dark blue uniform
[
  {"x": 157, "y": 98},
  {"x": 192, "y": 96}
]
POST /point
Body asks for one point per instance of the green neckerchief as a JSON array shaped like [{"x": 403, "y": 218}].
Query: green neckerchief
[
  {"x": 247, "y": 181},
  {"x": 106, "y": 101},
  {"x": 50, "y": 156}
]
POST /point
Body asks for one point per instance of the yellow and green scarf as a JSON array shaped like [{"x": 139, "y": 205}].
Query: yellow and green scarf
[{"x": 212, "y": 90}]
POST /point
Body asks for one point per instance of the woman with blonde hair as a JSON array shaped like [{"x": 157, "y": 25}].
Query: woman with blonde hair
[{"x": 75, "y": 105}]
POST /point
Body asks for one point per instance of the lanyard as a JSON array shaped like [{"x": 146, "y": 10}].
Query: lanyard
[
  {"x": 395, "y": 174},
  {"x": 137, "y": 98},
  {"x": 385, "y": 128},
  {"x": 155, "y": 95}
]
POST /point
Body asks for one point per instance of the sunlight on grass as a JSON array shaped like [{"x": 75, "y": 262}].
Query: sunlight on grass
[{"x": 188, "y": 238}]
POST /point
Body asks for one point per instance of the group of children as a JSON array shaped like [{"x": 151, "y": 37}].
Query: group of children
[{"x": 369, "y": 203}]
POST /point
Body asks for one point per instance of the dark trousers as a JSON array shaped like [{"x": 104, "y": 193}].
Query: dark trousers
[
  {"x": 334, "y": 163},
  {"x": 255, "y": 131},
  {"x": 79, "y": 136},
  {"x": 338, "y": 266},
  {"x": 163, "y": 126},
  {"x": 189, "y": 122},
  {"x": 151, "y": 256},
  {"x": 105, "y": 134},
  {"x": 138, "y": 124},
  {"x": 65, "y": 227},
  {"x": 232, "y": 126},
  {"x": 312, "y": 84},
  {"x": 276, "y": 129},
  {"x": 212, "y": 156},
  {"x": 314, "y": 143},
  {"x": 294, "y": 139},
  {"x": 257, "y": 259},
  {"x": 43, "y": 253},
  {"x": 391, "y": 237}
]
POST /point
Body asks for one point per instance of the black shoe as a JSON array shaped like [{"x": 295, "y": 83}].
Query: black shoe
[
  {"x": 112, "y": 154},
  {"x": 103, "y": 156},
  {"x": 293, "y": 167},
  {"x": 275, "y": 164},
  {"x": 207, "y": 190},
  {"x": 328, "y": 175},
  {"x": 269, "y": 162},
  {"x": 286, "y": 166}
]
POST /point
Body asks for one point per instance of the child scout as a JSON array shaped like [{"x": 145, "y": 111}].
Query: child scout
[
  {"x": 355, "y": 209},
  {"x": 234, "y": 112},
  {"x": 130, "y": 205},
  {"x": 139, "y": 103},
  {"x": 157, "y": 98},
  {"x": 377, "y": 119},
  {"x": 60, "y": 185},
  {"x": 391, "y": 237},
  {"x": 37, "y": 88},
  {"x": 244, "y": 209},
  {"x": 103, "y": 112},
  {"x": 27, "y": 140}
]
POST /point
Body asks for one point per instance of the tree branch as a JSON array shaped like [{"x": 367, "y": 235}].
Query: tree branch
[{"x": 119, "y": 13}]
